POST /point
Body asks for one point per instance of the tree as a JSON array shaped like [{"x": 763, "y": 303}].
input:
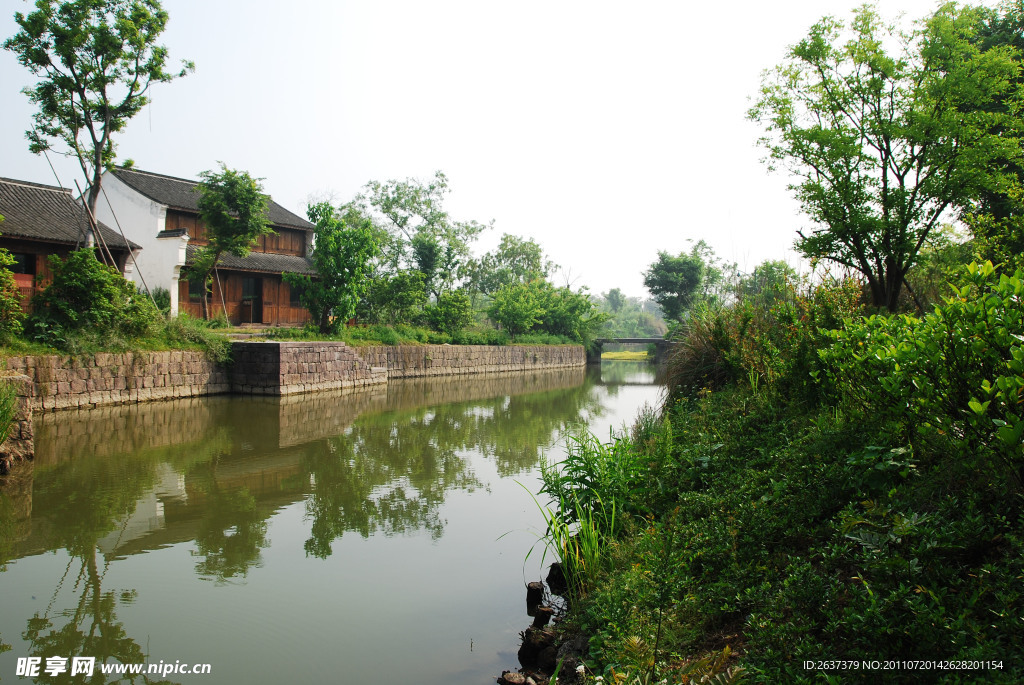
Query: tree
[
  {"x": 615, "y": 300},
  {"x": 394, "y": 298},
  {"x": 452, "y": 313},
  {"x": 998, "y": 216},
  {"x": 424, "y": 235},
  {"x": 567, "y": 313},
  {"x": 679, "y": 283},
  {"x": 516, "y": 308},
  {"x": 342, "y": 249},
  {"x": 96, "y": 60},
  {"x": 516, "y": 260},
  {"x": 234, "y": 209},
  {"x": 884, "y": 145}
]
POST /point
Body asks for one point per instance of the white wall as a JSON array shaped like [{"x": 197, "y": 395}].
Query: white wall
[{"x": 160, "y": 260}]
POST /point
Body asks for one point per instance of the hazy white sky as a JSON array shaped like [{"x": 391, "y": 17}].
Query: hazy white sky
[{"x": 605, "y": 131}]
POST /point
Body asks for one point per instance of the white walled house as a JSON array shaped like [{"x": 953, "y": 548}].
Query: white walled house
[{"x": 161, "y": 214}]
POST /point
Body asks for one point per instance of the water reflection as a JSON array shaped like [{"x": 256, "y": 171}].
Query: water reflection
[{"x": 211, "y": 473}]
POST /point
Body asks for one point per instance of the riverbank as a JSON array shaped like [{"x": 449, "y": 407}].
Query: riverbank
[
  {"x": 55, "y": 382},
  {"x": 819, "y": 488}
]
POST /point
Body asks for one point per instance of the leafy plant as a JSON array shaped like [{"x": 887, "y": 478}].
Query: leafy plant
[{"x": 87, "y": 300}]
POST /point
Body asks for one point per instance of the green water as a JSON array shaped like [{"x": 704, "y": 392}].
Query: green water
[{"x": 343, "y": 538}]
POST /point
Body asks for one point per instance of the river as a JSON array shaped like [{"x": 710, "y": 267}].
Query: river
[{"x": 377, "y": 536}]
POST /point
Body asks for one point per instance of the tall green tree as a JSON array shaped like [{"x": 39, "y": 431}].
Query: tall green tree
[
  {"x": 96, "y": 60},
  {"x": 884, "y": 135},
  {"x": 234, "y": 209},
  {"x": 615, "y": 299},
  {"x": 678, "y": 283},
  {"x": 343, "y": 247},
  {"x": 424, "y": 236},
  {"x": 998, "y": 216},
  {"x": 515, "y": 260},
  {"x": 517, "y": 308}
]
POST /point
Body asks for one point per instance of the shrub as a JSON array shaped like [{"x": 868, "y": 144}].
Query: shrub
[
  {"x": 11, "y": 315},
  {"x": 89, "y": 301},
  {"x": 951, "y": 382},
  {"x": 186, "y": 329},
  {"x": 162, "y": 300},
  {"x": 451, "y": 314}
]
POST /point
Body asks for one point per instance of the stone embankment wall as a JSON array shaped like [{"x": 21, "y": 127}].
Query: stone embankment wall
[
  {"x": 50, "y": 383},
  {"x": 60, "y": 382},
  {"x": 412, "y": 361},
  {"x": 287, "y": 368},
  {"x": 19, "y": 444}
]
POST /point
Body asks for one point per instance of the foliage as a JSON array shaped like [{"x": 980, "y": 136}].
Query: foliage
[
  {"x": 876, "y": 511},
  {"x": 630, "y": 317},
  {"x": 234, "y": 209},
  {"x": 162, "y": 300},
  {"x": 944, "y": 255},
  {"x": 9, "y": 406},
  {"x": 681, "y": 283},
  {"x": 423, "y": 236},
  {"x": 184, "y": 330},
  {"x": 516, "y": 260},
  {"x": 342, "y": 250},
  {"x": 615, "y": 300},
  {"x": 11, "y": 316},
  {"x": 997, "y": 216},
  {"x": 567, "y": 313},
  {"x": 392, "y": 299},
  {"x": 452, "y": 312},
  {"x": 884, "y": 145},
  {"x": 96, "y": 60},
  {"x": 951, "y": 382},
  {"x": 516, "y": 308},
  {"x": 89, "y": 301}
]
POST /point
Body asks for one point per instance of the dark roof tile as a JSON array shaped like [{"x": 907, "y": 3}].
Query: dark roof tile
[
  {"x": 49, "y": 213},
  {"x": 259, "y": 261},
  {"x": 179, "y": 193}
]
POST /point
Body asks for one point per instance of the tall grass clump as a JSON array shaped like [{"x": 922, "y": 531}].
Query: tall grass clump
[{"x": 186, "y": 330}]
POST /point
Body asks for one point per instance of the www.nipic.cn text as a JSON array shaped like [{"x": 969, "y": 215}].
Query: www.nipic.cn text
[{"x": 33, "y": 666}]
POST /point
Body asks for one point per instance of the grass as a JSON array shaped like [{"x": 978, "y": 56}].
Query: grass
[{"x": 627, "y": 356}]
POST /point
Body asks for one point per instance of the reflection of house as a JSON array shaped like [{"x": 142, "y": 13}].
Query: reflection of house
[
  {"x": 42, "y": 220},
  {"x": 163, "y": 215}
]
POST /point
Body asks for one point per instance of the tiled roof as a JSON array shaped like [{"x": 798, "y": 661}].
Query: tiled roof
[
  {"x": 259, "y": 261},
  {"x": 41, "y": 212},
  {"x": 179, "y": 193}
]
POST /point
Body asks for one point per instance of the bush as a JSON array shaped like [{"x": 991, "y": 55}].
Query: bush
[
  {"x": 89, "y": 302},
  {"x": 11, "y": 315},
  {"x": 451, "y": 314},
  {"x": 162, "y": 300},
  {"x": 185, "y": 329},
  {"x": 949, "y": 383}
]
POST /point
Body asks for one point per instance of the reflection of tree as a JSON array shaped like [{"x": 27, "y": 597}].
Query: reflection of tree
[
  {"x": 391, "y": 471},
  {"x": 386, "y": 475},
  {"x": 87, "y": 498},
  {"x": 231, "y": 533}
]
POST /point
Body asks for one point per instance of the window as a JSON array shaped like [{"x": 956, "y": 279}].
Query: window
[
  {"x": 251, "y": 288},
  {"x": 23, "y": 263},
  {"x": 293, "y": 298},
  {"x": 195, "y": 291}
]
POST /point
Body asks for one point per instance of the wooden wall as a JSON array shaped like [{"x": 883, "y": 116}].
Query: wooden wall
[
  {"x": 285, "y": 241},
  {"x": 276, "y": 297}
]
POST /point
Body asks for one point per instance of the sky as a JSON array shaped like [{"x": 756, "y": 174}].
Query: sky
[{"x": 605, "y": 131}]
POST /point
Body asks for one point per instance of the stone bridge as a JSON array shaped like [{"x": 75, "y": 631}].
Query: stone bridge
[{"x": 661, "y": 347}]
